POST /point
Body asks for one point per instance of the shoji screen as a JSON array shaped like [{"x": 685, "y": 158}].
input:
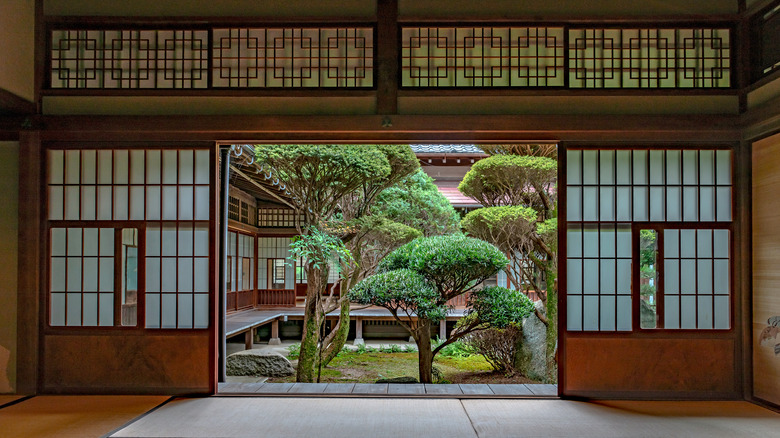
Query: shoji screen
[
  {"x": 678, "y": 198},
  {"x": 129, "y": 236}
]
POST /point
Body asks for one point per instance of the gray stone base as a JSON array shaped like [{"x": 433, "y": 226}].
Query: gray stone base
[
  {"x": 258, "y": 363},
  {"x": 359, "y": 341},
  {"x": 274, "y": 341}
]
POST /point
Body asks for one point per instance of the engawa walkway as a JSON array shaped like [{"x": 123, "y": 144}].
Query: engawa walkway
[
  {"x": 392, "y": 389},
  {"x": 239, "y": 322}
]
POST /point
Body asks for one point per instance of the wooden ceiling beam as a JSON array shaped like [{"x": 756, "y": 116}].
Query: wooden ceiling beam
[{"x": 398, "y": 128}]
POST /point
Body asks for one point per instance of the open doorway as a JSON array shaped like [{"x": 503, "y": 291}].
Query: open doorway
[{"x": 507, "y": 204}]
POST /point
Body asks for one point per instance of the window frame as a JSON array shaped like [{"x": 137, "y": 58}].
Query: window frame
[{"x": 564, "y": 226}]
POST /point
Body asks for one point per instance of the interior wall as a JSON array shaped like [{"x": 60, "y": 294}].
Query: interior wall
[
  {"x": 763, "y": 94},
  {"x": 210, "y": 8},
  {"x": 593, "y": 8},
  {"x": 9, "y": 177},
  {"x": 197, "y": 105},
  {"x": 766, "y": 270},
  {"x": 17, "y": 24}
]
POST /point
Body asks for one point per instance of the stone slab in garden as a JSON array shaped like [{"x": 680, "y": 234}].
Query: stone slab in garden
[{"x": 258, "y": 363}]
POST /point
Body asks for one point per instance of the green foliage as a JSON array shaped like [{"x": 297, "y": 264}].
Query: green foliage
[
  {"x": 499, "y": 307},
  {"x": 401, "y": 159},
  {"x": 510, "y": 180},
  {"x": 507, "y": 227},
  {"x": 455, "y": 349},
  {"x": 493, "y": 217},
  {"x": 295, "y": 351},
  {"x": 400, "y": 288},
  {"x": 317, "y": 165},
  {"x": 415, "y": 201},
  {"x": 500, "y": 347},
  {"x": 318, "y": 247},
  {"x": 538, "y": 150},
  {"x": 548, "y": 229},
  {"x": 361, "y": 348},
  {"x": 452, "y": 263},
  {"x": 386, "y": 232},
  {"x": 392, "y": 348}
]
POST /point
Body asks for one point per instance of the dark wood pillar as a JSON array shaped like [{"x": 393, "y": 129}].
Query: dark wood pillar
[
  {"x": 275, "y": 340},
  {"x": 29, "y": 295},
  {"x": 387, "y": 58},
  {"x": 249, "y": 336}
]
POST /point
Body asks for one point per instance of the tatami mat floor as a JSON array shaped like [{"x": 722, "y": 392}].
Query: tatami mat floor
[
  {"x": 150, "y": 416},
  {"x": 73, "y": 416}
]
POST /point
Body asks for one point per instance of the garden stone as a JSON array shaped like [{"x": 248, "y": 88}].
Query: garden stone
[
  {"x": 533, "y": 354},
  {"x": 258, "y": 363},
  {"x": 404, "y": 379}
]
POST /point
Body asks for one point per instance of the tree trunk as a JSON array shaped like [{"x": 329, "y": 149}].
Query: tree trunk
[
  {"x": 308, "y": 354},
  {"x": 335, "y": 342},
  {"x": 552, "y": 327},
  {"x": 424, "y": 354},
  {"x": 312, "y": 320}
]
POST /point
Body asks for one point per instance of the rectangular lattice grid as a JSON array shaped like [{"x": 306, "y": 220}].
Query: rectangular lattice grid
[
  {"x": 145, "y": 59},
  {"x": 655, "y": 185},
  {"x": 82, "y": 277},
  {"x": 696, "y": 279},
  {"x": 275, "y": 217},
  {"x": 300, "y": 57},
  {"x": 649, "y": 58},
  {"x": 166, "y": 192},
  {"x": 482, "y": 57},
  {"x": 685, "y": 197}
]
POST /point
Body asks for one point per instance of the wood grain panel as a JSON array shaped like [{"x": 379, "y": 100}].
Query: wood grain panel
[
  {"x": 766, "y": 267},
  {"x": 680, "y": 367},
  {"x": 176, "y": 364}
]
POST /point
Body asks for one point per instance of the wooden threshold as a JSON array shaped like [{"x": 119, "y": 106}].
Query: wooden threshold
[{"x": 389, "y": 390}]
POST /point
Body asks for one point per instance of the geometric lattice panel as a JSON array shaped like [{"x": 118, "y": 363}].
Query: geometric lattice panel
[
  {"x": 482, "y": 57},
  {"x": 111, "y": 59},
  {"x": 649, "y": 58},
  {"x": 298, "y": 57}
]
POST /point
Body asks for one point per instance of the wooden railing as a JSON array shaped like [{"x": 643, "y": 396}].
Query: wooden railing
[
  {"x": 238, "y": 300},
  {"x": 230, "y": 302},
  {"x": 244, "y": 299},
  {"x": 459, "y": 301},
  {"x": 276, "y": 297}
]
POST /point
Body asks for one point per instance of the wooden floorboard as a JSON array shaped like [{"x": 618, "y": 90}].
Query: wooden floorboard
[
  {"x": 339, "y": 388},
  {"x": 432, "y": 388},
  {"x": 406, "y": 388},
  {"x": 308, "y": 388},
  {"x": 7, "y": 399},
  {"x": 393, "y": 389},
  {"x": 476, "y": 389},
  {"x": 510, "y": 389},
  {"x": 370, "y": 388},
  {"x": 274, "y": 388},
  {"x": 543, "y": 389}
]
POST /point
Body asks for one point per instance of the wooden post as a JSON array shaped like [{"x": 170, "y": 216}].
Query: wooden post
[
  {"x": 387, "y": 59},
  {"x": 249, "y": 339},
  {"x": 358, "y": 332},
  {"x": 224, "y": 163},
  {"x": 443, "y": 330},
  {"x": 275, "y": 340}
]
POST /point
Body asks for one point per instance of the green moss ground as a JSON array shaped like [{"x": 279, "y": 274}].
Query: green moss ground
[{"x": 354, "y": 367}]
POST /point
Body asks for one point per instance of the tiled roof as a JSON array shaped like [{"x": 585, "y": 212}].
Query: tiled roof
[{"x": 446, "y": 149}]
